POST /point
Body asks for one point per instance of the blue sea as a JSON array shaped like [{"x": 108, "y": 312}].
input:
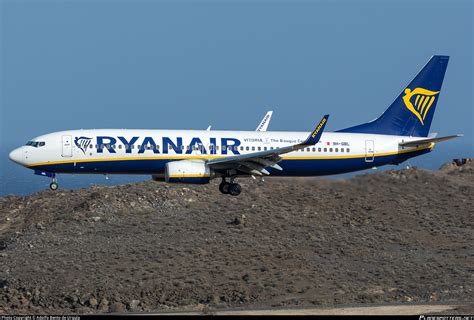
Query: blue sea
[{"x": 17, "y": 180}]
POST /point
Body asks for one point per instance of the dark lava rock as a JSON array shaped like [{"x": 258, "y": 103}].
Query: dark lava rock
[{"x": 392, "y": 236}]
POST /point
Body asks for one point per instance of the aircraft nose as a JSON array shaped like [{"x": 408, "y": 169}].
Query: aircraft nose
[{"x": 16, "y": 156}]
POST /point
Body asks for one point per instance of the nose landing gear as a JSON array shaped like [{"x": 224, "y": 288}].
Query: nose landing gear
[
  {"x": 231, "y": 187},
  {"x": 54, "y": 185}
]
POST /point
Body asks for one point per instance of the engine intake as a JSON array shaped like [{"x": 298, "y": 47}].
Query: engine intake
[{"x": 188, "y": 171}]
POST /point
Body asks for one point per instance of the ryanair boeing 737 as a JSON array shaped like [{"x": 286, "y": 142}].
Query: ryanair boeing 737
[{"x": 197, "y": 156}]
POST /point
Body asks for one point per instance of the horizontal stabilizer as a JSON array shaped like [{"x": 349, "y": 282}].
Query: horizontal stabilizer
[{"x": 416, "y": 143}]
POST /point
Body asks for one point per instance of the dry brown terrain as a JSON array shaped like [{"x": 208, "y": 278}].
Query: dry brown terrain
[{"x": 387, "y": 237}]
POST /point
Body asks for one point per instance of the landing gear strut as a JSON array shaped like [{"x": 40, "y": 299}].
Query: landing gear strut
[{"x": 231, "y": 188}]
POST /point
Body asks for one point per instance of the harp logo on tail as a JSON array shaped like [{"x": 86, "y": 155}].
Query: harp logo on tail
[
  {"x": 419, "y": 101},
  {"x": 82, "y": 143}
]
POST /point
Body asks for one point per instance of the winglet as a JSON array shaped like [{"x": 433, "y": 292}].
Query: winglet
[
  {"x": 315, "y": 135},
  {"x": 265, "y": 122}
]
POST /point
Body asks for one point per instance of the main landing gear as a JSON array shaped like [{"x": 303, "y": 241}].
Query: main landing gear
[{"x": 231, "y": 187}]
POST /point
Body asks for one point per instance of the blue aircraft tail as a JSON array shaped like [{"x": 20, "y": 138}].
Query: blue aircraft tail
[{"x": 411, "y": 113}]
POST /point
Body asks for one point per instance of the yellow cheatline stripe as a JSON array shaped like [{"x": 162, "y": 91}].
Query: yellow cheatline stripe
[
  {"x": 214, "y": 157},
  {"x": 359, "y": 155},
  {"x": 189, "y": 176},
  {"x": 177, "y": 157}
]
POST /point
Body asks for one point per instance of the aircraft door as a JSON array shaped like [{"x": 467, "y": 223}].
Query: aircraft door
[
  {"x": 369, "y": 150},
  {"x": 67, "y": 146}
]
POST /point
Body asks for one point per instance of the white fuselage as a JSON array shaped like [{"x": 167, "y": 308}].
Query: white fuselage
[{"x": 129, "y": 151}]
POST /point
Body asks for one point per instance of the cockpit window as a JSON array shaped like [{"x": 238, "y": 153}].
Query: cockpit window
[{"x": 35, "y": 144}]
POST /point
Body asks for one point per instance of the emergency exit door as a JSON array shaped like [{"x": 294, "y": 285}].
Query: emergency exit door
[
  {"x": 67, "y": 146},
  {"x": 369, "y": 150}
]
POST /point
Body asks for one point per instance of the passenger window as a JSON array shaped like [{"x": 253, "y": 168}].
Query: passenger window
[
  {"x": 347, "y": 150},
  {"x": 314, "y": 149},
  {"x": 271, "y": 148},
  {"x": 120, "y": 146},
  {"x": 342, "y": 149},
  {"x": 259, "y": 148},
  {"x": 217, "y": 147},
  {"x": 247, "y": 148},
  {"x": 253, "y": 148},
  {"x": 265, "y": 148},
  {"x": 336, "y": 150},
  {"x": 319, "y": 149},
  {"x": 325, "y": 149},
  {"x": 330, "y": 149}
]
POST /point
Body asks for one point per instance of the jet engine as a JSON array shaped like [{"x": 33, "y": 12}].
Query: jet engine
[{"x": 188, "y": 171}]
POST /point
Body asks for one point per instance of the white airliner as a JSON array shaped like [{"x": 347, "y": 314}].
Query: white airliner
[{"x": 197, "y": 156}]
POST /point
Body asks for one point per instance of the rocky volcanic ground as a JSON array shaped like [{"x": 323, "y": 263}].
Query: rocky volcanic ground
[{"x": 394, "y": 236}]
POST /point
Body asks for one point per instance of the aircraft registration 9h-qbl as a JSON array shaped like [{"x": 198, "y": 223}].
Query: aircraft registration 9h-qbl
[{"x": 197, "y": 156}]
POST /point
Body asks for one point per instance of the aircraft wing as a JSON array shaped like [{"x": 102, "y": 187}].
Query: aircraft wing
[
  {"x": 265, "y": 122},
  {"x": 419, "y": 142},
  {"x": 256, "y": 162}
]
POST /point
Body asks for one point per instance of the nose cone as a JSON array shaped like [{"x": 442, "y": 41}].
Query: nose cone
[{"x": 16, "y": 156}]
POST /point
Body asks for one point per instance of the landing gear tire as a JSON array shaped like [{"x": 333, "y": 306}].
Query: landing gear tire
[
  {"x": 54, "y": 186},
  {"x": 235, "y": 189},
  {"x": 224, "y": 187}
]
